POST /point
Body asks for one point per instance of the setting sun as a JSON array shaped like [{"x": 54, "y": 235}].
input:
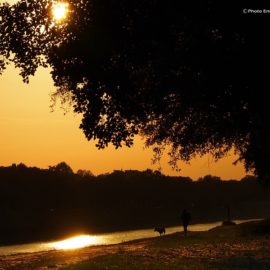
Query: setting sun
[{"x": 60, "y": 10}]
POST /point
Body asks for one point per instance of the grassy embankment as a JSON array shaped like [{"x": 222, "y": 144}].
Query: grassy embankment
[{"x": 245, "y": 246}]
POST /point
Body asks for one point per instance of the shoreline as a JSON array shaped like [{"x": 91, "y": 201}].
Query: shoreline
[
  {"x": 106, "y": 232},
  {"x": 218, "y": 244}
]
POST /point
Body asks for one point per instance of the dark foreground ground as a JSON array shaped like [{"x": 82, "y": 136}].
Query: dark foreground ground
[{"x": 245, "y": 246}]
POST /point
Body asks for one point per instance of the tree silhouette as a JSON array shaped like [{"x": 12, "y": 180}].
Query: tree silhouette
[
  {"x": 210, "y": 179},
  {"x": 189, "y": 75},
  {"x": 85, "y": 173},
  {"x": 61, "y": 168}
]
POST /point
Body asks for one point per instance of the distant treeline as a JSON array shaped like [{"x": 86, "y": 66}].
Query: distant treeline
[{"x": 38, "y": 204}]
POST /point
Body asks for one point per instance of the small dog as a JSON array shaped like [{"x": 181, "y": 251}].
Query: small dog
[{"x": 160, "y": 230}]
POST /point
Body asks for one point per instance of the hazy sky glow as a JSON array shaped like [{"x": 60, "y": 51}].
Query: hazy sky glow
[{"x": 31, "y": 134}]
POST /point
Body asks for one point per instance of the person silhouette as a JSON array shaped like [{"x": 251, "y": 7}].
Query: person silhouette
[{"x": 185, "y": 220}]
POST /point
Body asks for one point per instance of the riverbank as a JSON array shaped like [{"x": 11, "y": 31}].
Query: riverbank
[
  {"x": 245, "y": 246},
  {"x": 26, "y": 240},
  {"x": 43, "y": 205}
]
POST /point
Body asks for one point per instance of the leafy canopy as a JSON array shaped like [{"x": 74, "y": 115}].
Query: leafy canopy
[{"x": 190, "y": 75}]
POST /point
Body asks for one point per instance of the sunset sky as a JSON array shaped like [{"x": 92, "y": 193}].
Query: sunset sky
[{"x": 35, "y": 136}]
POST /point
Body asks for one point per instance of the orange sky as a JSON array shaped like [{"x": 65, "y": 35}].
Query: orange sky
[{"x": 31, "y": 134}]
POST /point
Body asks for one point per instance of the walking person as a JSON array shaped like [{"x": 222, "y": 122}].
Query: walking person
[{"x": 186, "y": 217}]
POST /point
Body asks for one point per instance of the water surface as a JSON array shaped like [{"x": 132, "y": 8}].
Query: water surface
[{"x": 80, "y": 241}]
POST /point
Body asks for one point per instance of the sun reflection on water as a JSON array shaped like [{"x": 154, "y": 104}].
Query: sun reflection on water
[{"x": 75, "y": 242}]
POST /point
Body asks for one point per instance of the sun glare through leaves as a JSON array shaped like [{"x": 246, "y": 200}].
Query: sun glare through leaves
[{"x": 60, "y": 10}]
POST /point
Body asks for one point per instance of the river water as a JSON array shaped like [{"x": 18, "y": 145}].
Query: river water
[{"x": 80, "y": 241}]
